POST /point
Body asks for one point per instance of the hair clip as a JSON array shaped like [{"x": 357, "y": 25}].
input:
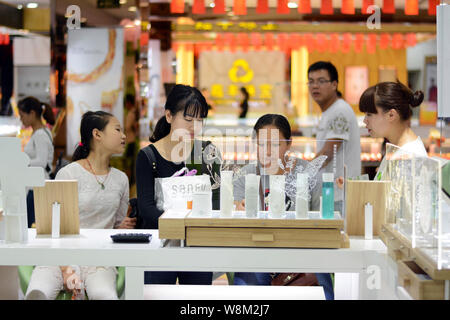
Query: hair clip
[
  {"x": 193, "y": 172},
  {"x": 80, "y": 144}
]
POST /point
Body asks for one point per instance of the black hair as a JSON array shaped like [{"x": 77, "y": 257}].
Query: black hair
[
  {"x": 130, "y": 98},
  {"x": 390, "y": 95},
  {"x": 332, "y": 71},
  {"x": 276, "y": 120},
  {"x": 245, "y": 92},
  {"x": 29, "y": 104},
  {"x": 90, "y": 121},
  {"x": 181, "y": 98}
]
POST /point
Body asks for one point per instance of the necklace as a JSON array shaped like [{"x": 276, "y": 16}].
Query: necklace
[{"x": 102, "y": 184}]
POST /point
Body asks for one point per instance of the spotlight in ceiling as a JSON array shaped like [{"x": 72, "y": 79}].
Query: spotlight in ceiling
[
  {"x": 132, "y": 9},
  {"x": 32, "y": 5},
  {"x": 292, "y": 5}
]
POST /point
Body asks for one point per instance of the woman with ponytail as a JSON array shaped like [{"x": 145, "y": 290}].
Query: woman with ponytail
[
  {"x": 103, "y": 194},
  {"x": 388, "y": 111},
  {"x": 39, "y": 148},
  {"x": 185, "y": 110}
]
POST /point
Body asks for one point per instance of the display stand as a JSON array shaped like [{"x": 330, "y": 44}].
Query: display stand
[
  {"x": 417, "y": 272},
  {"x": 64, "y": 193},
  {"x": 358, "y": 194},
  {"x": 239, "y": 231}
]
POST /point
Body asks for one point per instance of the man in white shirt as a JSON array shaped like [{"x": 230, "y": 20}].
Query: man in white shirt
[{"x": 338, "y": 129}]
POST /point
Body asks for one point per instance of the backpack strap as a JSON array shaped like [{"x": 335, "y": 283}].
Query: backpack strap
[{"x": 151, "y": 158}]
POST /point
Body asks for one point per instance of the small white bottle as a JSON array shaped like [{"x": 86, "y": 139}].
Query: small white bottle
[
  {"x": 301, "y": 198},
  {"x": 226, "y": 193},
  {"x": 277, "y": 196},
  {"x": 251, "y": 195}
]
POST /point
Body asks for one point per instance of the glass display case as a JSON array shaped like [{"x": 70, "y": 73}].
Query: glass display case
[
  {"x": 415, "y": 202},
  {"x": 433, "y": 228},
  {"x": 278, "y": 157}
]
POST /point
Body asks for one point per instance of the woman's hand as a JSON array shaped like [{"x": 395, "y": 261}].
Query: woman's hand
[
  {"x": 71, "y": 281},
  {"x": 240, "y": 205},
  {"x": 340, "y": 182},
  {"x": 128, "y": 223}
]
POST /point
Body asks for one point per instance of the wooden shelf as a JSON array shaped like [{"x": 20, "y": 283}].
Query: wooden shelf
[{"x": 239, "y": 231}]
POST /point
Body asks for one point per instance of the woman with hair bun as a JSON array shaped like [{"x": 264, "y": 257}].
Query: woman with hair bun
[{"x": 388, "y": 111}]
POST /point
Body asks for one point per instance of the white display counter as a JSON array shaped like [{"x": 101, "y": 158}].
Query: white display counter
[{"x": 365, "y": 259}]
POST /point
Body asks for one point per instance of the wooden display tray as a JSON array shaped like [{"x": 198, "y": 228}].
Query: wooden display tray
[
  {"x": 400, "y": 248},
  {"x": 239, "y": 231}
]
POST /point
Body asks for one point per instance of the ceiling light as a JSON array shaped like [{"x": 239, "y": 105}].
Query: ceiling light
[
  {"x": 20, "y": 7},
  {"x": 212, "y": 5},
  {"x": 123, "y": 1},
  {"x": 32, "y": 5},
  {"x": 132, "y": 9},
  {"x": 292, "y": 5}
]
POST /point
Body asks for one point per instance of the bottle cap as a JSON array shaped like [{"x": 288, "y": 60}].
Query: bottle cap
[{"x": 328, "y": 177}]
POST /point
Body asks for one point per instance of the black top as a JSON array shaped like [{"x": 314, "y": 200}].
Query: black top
[
  {"x": 148, "y": 213},
  {"x": 244, "y": 109},
  {"x": 145, "y": 185}
]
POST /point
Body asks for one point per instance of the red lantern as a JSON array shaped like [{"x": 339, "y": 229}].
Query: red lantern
[
  {"x": 283, "y": 43},
  {"x": 347, "y": 40},
  {"x": 326, "y": 7},
  {"x": 1, "y": 39},
  {"x": 359, "y": 42},
  {"x": 366, "y": 4},
  {"x": 348, "y": 7},
  {"x": 177, "y": 6},
  {"x": 239, "y": 8},
  {"x": 322, "y": 42},
  {"x": 197, "y": 49},
  {"x": 198, "y": 7},
  {"x": 334, "y": 43},
  {"x": 282, "y": 7},
  {"x": 243, "y": 41},
  {"x": 189, "y": 47},
  {"x": 388, "y": 6},
  {"x": 411, "y": 39},
  {"x": 385, "y": 39},
  {"x": 432, "y": 7},
  {"x": 412, "y": 7},
  {"x": 304, "y": 6},
  {"x": 230, "y": 41},
  {"x": 310, "y": 42},
  {"x": 220, "y": 42},
  {"x": 371, "y": 43},
  {"x": 295, "y": 41},
  {"x": 397, "y": 41},
  {"x": 219, "y": 7},
  {"x": 269, "y": 41},
  {"x": 262, "y": 7},
  {"x": 256, "y": 40}
]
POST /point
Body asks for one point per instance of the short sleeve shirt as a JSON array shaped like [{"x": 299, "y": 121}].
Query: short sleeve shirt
[{"x": 339, "y": 122}]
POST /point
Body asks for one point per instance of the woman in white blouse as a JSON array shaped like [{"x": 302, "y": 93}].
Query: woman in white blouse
[
  {"x": 103, "y": 202},
  {"x": 40, "y": 146}
]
